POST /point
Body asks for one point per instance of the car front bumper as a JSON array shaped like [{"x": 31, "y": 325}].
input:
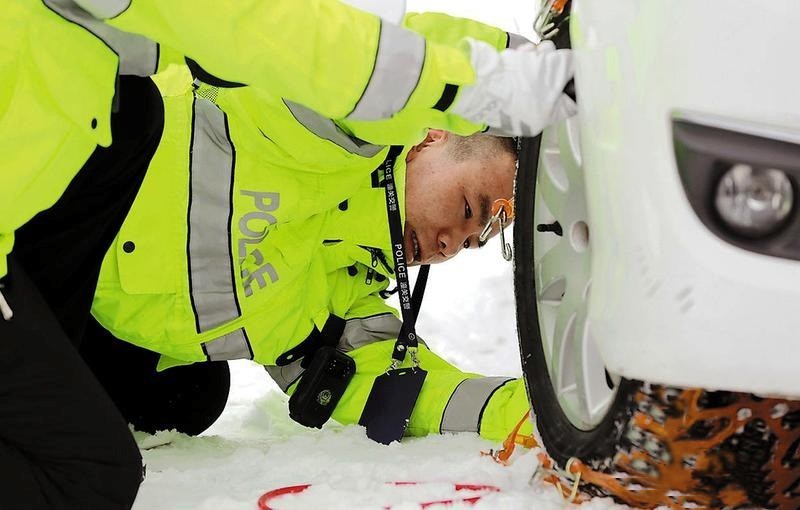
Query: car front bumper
[{"x": 671, "y": 302}]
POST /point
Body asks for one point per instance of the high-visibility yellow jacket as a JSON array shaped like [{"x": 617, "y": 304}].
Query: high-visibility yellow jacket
[
  {"x": 59, "y": 63},
  {"x": 257, "y": 220}
]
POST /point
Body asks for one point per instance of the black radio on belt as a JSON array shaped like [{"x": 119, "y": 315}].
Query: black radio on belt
[{"x": 321, "y": 387}]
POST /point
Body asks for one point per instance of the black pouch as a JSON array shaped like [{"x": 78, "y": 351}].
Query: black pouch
[
  {"x": 390, "y": 404},
  {"x": 321, "y": 387}
]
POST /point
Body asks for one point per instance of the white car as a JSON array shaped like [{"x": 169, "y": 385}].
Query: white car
[{"x": 657, "y": 253}]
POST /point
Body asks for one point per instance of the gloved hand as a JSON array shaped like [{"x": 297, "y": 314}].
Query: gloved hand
[{"x": 517, "y": 91}]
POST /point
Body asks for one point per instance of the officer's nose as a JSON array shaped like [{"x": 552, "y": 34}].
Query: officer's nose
[{"x": 449, "y": 246}]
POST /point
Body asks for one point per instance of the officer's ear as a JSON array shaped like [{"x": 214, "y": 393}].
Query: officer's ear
[{"x": 434, "y": 137}]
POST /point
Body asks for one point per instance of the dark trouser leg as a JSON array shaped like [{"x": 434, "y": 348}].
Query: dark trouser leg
[
  {"x": 63, "y": 444},
  {"x": 187, "y": 398},
  {"x": 63, "y": 247}
]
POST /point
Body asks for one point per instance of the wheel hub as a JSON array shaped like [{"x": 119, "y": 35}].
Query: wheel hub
[{"x": 562, "y": 261}]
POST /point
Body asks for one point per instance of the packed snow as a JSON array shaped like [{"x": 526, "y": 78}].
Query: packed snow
[{"x": 467, "y": 317}]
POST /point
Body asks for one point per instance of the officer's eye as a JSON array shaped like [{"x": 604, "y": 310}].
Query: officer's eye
[
  {"x": 467, "y": 210},
  {"x": 466, "y": 244}
]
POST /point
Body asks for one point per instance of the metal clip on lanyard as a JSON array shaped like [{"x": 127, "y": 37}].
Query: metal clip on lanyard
[
  {"x": 407, "y": 339},
  {"x": 409, "y": 306},
  {"x": 502, "y": 212}
]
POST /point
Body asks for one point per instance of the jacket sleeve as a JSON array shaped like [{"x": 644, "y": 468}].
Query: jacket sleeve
[
  {"x": 340, "y": 61},
  {"x": 450, "y": 401},
  {"x": 439, "y": 29}
]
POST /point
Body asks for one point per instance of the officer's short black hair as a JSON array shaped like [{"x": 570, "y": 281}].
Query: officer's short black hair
[{"x": 481, "y": 146}]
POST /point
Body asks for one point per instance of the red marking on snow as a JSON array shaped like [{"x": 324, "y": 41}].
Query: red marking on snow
[{"x": 296, "y": 489}]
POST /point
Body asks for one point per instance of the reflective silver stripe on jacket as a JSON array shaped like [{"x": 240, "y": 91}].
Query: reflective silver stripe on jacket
[
  {"x": 211, "y": 280},
  {"x": 137, "y": 55},
  {"x": 104, "y": 9},
  {"x": 357, "y": 333},
  {"x": 328, "y": 130},
  {"x": 398, "y": 67},
  {"x": 234, "y": 345},
  {"x": 360, "y": 332},
  {"x": 464, "y": 410}
]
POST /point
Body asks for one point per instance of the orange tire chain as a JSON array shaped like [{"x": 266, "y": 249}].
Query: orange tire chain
[
  {"x": 503, "y": 455},
  {"x": 705, "y": 450}
]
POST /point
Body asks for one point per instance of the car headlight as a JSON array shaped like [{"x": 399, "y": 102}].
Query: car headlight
[
  {"x": 754, "y": 201},
  {"x": 741, "y": 179}
]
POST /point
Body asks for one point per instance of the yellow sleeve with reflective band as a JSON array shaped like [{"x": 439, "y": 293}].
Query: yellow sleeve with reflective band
[
  {"x": 504, "y": 411},
  {"x": 443, "y": 30},
  {"x": 450, "y": 401},
  {"x": 340, "y": 61}
]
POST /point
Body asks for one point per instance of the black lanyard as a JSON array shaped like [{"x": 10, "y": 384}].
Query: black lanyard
[{"x": 409, "y": 305}]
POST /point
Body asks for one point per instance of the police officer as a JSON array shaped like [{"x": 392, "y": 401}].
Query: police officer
[
  {"x": 279, "y": 230},
  {"x": 66, "y": 96}
]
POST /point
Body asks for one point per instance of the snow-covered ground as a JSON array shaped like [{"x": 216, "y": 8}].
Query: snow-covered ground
[{"x": 468, "y": 317}]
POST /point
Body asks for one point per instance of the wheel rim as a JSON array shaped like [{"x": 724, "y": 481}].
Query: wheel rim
[{"x": 562, "y": 262}]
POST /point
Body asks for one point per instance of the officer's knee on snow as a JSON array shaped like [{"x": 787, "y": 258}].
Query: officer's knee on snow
[
  {"x": 118, "y": 481},
  {"x": 132, "y": 471}
]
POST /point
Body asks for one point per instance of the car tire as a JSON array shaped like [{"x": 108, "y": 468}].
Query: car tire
[
  {"x": 563, "y": 440},
  {"x": 715, "y": 449}
]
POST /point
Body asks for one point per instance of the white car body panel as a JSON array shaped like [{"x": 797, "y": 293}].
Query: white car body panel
[{"x": 671, "y": 302}]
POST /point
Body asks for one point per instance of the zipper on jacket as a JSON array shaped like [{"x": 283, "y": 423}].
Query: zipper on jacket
[
  {"x": 385, "y": 262},
  {"x": 377, "y": 256}
]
